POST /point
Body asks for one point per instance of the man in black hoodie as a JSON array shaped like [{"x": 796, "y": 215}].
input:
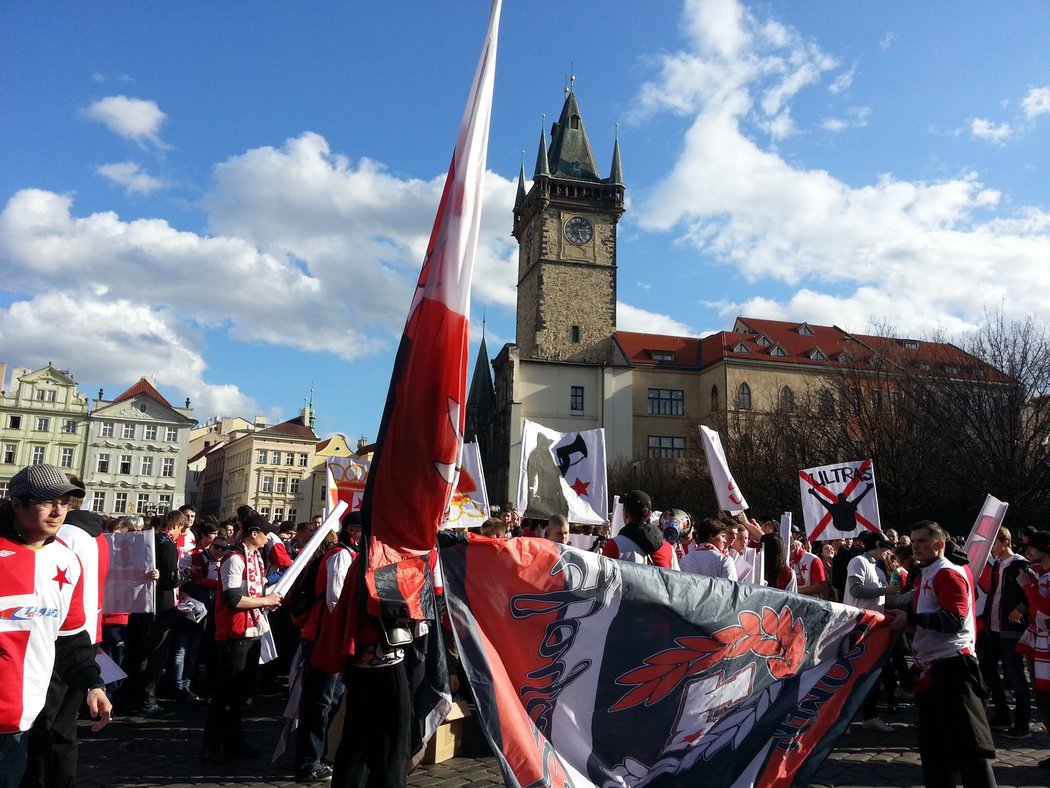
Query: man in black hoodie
[{"x": 53, "y": 738}]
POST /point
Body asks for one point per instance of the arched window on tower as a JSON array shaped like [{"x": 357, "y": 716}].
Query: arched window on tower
[
  {"x": 787, "y": 400},
  {"x": 714, "y": 399},
  {"x": 743, "y": 397}
]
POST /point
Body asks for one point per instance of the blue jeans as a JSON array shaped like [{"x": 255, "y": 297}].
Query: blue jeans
[
  {"x": 13, "y": 750},
  {"x": 186, "y": 642},
  {"x": 321, "y": 693}
]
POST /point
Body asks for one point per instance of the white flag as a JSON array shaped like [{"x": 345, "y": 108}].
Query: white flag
[
  {"x": 983, "y": 533},
  {"x": 563, "y": 473},
  {"x": 469, "y": 507},
  {"x": 728, "y": 494},
  {"x": 839, "y": 501}
]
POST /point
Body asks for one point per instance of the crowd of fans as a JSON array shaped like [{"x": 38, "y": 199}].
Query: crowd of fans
[{"x": 213, "y": 622}]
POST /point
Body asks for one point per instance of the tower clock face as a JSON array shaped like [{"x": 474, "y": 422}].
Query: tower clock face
[
  {"x": 578, "y": 231},
  {"x": 528, "y": 241}
]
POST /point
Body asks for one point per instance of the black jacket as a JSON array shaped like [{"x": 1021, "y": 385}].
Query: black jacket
[{"x": 1013, "y": 598}]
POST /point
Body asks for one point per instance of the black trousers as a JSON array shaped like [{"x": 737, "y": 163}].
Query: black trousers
[
  {"x": 234, "y": 681},
  {"x": 148, "y": 645},
  {"x": 375, "y": 749},
  {"x": 954, "y": 735},
  {"x": 52, "y": 757}
]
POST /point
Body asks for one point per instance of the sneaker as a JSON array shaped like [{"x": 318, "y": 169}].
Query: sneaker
[
  {"x": 153, "y": 710},
  {"x": 875, "y": 724},
  {"x": 320, "y": 773},
  {"x": 187, "y": 696},
  {"x": 1017, "y": 733}
]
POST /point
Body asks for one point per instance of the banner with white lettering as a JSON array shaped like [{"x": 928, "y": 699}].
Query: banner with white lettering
[
  {"x": 469, "y": 506},
  {"x": 839, "y": 500},
  {"x": 729, "y": 496},
  {"x": 563, "y": 473},
  {"x": 131, "y": 556}
]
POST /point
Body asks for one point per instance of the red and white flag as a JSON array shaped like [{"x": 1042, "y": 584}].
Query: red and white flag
[
  {"x": 414, "y": 467},
  {"x": 728, "y": 494},
  {"x": 983, "y": 533}
]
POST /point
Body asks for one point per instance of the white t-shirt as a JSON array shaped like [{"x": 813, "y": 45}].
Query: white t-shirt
[
  {"x": 863, "y": 567},
  {"x": 708, "y": 560}
]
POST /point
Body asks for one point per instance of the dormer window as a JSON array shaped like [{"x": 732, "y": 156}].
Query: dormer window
[
  {"x": 844, "y": 357},
  {"x": 661, "y": 356},
  {"x": 805, "y": 330},
  {"x": 574, "y": 122},
  {"x": 910, "y": 344},
  {"x": 817, "y": 354},
  {"x": 777, "y": 351},
  {"x": 764, "y": 341},
  {"x": 876, "y": 360},
  {"x": 951, "y": 369},
  {"x": 740, "y": 347}
]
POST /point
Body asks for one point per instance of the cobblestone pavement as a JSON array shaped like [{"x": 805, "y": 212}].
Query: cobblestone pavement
[{"x": 139, "y": 752}]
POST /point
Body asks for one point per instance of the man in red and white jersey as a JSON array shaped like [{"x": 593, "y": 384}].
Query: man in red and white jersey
[
  {"x": 809, "y": 571},
  {"x": 639, "y": 541},
  {"x": 41, "y": 598},
  {"x": 52, "y": 759},
  {"x": 954, "y": 734},
  {"x": 709, "y": 557}
]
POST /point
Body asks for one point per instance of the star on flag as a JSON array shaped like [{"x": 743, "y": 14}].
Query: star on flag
[
  {"x": 580, "y": 487},
  {"x": 62, "y": 578}
]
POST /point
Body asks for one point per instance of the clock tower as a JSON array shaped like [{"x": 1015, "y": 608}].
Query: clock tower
[{"x": 565, "y": 226}]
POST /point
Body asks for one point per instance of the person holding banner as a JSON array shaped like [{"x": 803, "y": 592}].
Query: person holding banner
[
  {"x": 954, "y": 735},
  {"x": 240, "y": 623}
]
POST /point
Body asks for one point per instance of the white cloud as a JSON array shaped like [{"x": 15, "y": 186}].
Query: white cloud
[
  {"x": 134, "y": 119},
  {"x": 130, "y": 176},
  {"x": 834, "y": 125},
  {"x": 843, "y": 81},
  {"x": 118, "y": 341},
  {"x": 632, "y": 318},
  {"x": 887, "y": 41},
  {"x": 920, "y": 253},
  {"x": 986, "y": 130},
  {"x": 1037, "y": 102}
]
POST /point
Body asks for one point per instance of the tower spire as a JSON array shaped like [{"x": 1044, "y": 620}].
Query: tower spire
[
  {"x": 519, "y": 198},
  {"x": 542, "y": 165},
  {"x": 616, "y": 170}
]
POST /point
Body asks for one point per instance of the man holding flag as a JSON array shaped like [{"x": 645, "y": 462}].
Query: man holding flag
[{"x": 388, "y": 598}]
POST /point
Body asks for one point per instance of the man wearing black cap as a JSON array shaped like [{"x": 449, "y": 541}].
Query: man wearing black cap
[
  {"x": 639, "y": 541},
  {"x": 41, "y": 594}
]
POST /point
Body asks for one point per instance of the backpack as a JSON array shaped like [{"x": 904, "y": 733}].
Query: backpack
[{"x": 303, "y": 594}]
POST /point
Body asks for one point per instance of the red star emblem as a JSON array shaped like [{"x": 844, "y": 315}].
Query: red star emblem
[
  {"x": 62, "y": 578},
  {"x": 580, "y": 487}
]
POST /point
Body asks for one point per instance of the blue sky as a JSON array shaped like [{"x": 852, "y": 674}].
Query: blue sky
[{"x": 234, "y": 199}]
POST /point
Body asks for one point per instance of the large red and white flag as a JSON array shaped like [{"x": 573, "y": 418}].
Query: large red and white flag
[
  {"x": 418, "y": 447},
  {"x": 983, "y": 533}
]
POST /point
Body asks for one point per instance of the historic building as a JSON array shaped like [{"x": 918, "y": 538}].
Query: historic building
[
  {"x": 571, "y": 369},
  {"x": 136, "y": 452},
  {"x": 42, "y": 420},
  {"x": 275, "y": 470}
]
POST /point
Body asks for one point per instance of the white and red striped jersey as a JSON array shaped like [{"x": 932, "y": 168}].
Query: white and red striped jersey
[
  {"x": 41, "y": 596},
  {"x": 808, "y": 568},
  {"x": 93, "y": 552}
]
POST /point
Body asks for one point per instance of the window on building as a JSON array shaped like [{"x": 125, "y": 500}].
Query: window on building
[
  {"x": 128, "y": 431},
  {"x": 787, "y": 400},
  {"x": 142, "y": 503},
  {"x": 146, "y": 467},
  {"x": 714, "y": 399},
  {"x": 662, "y": 356},
  {"x": 125, "y": 464},
  {"x": 171, "y": 434},
  {"x": 292, "y": 515},
  {"x": 302, "y": 460},
  {"x": 576, "y": 398},
  {"x": 763, "y": 341},
  {"x": 895, "y": 403},
  {"x": 805, "y": 330},
  {"x": 4, "y": 488},
  {"x": 65, "y": 459},
  {"x": 282, "y": 484},
  {"x": 167, "y": 467},
  {"x": 743, "y": 397},
  {"x": 278, "y": 513},
  {"x": 827, "y": 404},
  {"x": 98, "y": 502},
  {"x": 105, "y": 429},
  {"x": 276, "y": 457},
  {"x": 666, "y": 402},
  {"x": 10, "y": 453},
  {"x": 149, "y": 432},
  {"x": 42, "y": 424},
  {"x": 267, "y": 484},
  {"x": 855, "y": 402},
  {"x": 46, "y": 395},
  {"x": 265, "y": 511},
  {"x": 666, "y": 446},
  {"x": 70, "y": 426},
  {"x": 103, "y": 463},
  {"x": 289, "y": 458},
  {"x": 38, "y": 455},
  {"x": 120, "y": 502},
  {"x": 575, "y": 331},
  {"x": 777, "y": 351},
  {"x": 14, "y": 422},
  {"x": 293, "y": 486},
  {"x": 262, "y": 456},
  {"x": 164, "y": 502},
  {"x": 876, "y": 401}
]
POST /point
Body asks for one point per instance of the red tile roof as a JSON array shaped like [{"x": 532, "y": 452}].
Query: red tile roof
[
  {"x": 659, "y": 350},
  {"x": 295, "y": 428},
  {"x": 143, "y": 387}
]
